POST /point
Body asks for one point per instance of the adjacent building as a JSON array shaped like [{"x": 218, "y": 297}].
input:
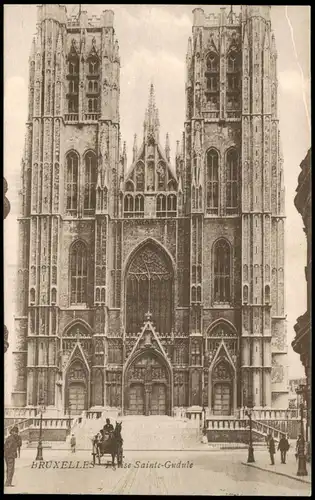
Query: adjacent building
[
  {"x": 154, "y": 283},
  {"x": 302, "y": 341},
  {"x": 6, "y": 211}
]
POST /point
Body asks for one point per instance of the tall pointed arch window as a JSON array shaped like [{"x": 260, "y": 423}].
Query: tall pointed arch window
[
  {"x": 212, "y": 75},
  {"x": 139, "y": 177},
  {"x": 212, "y": 167},
  {"x": 231, "y": 182},
  {"x": 222, "y": 272},
  {"x": 233, "y": 91},
  {"x": 73, "y": 77},
  {"x": 72, "y": 181},
  {"x": 90, "y": 182},
  {"x": 149, "y": 284},
  {"x": 78, "y": 273}
]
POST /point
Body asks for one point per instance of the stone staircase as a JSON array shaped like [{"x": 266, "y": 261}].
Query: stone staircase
[{"x": 142, "y": 433}]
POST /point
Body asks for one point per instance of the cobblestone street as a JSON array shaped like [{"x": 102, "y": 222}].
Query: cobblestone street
[{"x": 187, "y": 472}]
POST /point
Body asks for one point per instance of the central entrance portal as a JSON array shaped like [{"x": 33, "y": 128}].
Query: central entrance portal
[{"x": 147, "y": 386}]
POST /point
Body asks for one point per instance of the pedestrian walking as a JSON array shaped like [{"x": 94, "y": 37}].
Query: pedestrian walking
[
  {"x": 73, "y": 443},
  {"x": 283, "y": 446},
  {"x": 19, "y": 444},
  {"x": 272, "y": 449},
  {"x": 10, "y": 454}
]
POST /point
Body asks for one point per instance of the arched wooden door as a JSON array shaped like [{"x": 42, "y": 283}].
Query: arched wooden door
[
  {"x": 136, "y": 399},
  {"x": 77, "y": 395},
  {"x": 147, "y": 386},
  {"x": 222, "y": 388},
  {"x": 158, "y": 399},
  {"x": 222, "y": 399}
]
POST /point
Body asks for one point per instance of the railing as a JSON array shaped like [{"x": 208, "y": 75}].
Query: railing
[
  {"x": 271, "y": 414},
  {"x": 235, "y": 424},
  {"x": 53, "y": 423},
  {"x": 91, "y": 116},
  {"x": 93, "y": 414},
  {"x": 17, "y": 412},
  {"x": 22, "y": 425},
  {"x": 71, "y": 117},
  {"x": 265, "y": 429}
]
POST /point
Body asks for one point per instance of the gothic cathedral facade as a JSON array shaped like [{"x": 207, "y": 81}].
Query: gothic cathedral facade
[{"x": 152, "y": 285}]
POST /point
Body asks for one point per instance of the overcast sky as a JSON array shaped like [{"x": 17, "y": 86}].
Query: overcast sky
[{"x": 153, "y": 41}]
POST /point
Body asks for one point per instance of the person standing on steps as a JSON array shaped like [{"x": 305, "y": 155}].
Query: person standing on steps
[
  {"x": 10, "y": 454},
  {"x": 272, "y": 449},
  {"x": 283, "y": 446},
  {"x": 73, "y": 443}
]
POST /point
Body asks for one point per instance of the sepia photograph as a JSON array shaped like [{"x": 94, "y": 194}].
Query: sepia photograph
[{"x": 157, "y": 249}]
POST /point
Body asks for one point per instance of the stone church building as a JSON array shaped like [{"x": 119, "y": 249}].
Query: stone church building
[{"x": 156, "y": 283}]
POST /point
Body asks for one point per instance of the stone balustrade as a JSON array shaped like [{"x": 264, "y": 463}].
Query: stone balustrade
[
  {"x": 268, "y": 414},
  {"x": 18, "y": 412}
]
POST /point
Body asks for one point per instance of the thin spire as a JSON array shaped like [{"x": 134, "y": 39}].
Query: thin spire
[
  {"x": 167, "y": 147},
  {"x": 151, "y": 121},
  {"x": 135, "y": 147},
  {"x": 177, "y": 149}
]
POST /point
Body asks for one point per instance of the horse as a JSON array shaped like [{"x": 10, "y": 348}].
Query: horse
[{"x": 112, "y": 446}]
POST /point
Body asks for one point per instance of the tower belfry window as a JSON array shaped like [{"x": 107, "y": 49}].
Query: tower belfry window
[
  {"x": 212, "y": 167},
  {"x": 90, "y": 182},
  {"x": 212, "y": 74},
  {"x": 72, "y": 182},
  {"x": 231, "y": 182}
]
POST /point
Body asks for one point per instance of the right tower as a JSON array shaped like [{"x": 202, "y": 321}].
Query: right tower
[{"x": 234, "y": 197}]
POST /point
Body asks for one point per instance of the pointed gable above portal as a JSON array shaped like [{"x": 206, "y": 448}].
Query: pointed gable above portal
[{"x": 151, "y": 170}]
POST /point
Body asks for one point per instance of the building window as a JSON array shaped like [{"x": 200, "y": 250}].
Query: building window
[
  {"x": 93, "y": 66},
  {"x": 222, "y": 271},
  {"x": 78, "y": 271},
  {"x": 72, "y": 181},
  {"x": 90, "y": 182},
  {"x": 73, "y": 66},
  {"x": 149, "y": 287},
  {"x": 93, "y": 87},
  {"x": 93, "y": 105},
  {"x": 212, "y": 75},
  {"x": 73, "y": 105},
  {"x": 212, "y": 182},
  {"x": 139, "y": 205},
  {"x": 171, "y": 205},
  {"x": 195, "y": 353},
  {"x": 231, "y": 181},
  {"x": 140, "y": 177},
  {"x": 128, "y": 205},
  {"x": 161, "y": 205},
  {"x": 212, "y": 63}
]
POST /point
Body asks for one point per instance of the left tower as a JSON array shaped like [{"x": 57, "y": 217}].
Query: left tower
[{"x": 71, "y": 172}]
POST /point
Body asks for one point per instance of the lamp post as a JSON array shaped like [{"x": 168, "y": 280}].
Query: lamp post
[
  {"x": 204, "y": 411},
  {"x": 301, "y": 444},
  {"x": 69, "y": 410},
  {"x": 39, "y": 455},
  {"x": 250, "y": 458}
]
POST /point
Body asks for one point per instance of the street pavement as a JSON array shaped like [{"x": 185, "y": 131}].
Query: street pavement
[
  {"x": 289, "y": 469},
  {"x": 163, "y": 472}
]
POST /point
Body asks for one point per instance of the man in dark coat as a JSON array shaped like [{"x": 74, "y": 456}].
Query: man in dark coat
[
  {"x": 283, "y": 446},
  {"x": 108, "y": 427},
  {"x": 272, "y": 449},
  {"x": 10, "y": 454}
]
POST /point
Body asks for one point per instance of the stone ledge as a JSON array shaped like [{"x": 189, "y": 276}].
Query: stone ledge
[{"x": 307, "y": 481}]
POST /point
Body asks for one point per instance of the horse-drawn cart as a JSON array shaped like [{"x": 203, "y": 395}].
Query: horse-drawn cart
[{"x": 112, "y": 446}]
